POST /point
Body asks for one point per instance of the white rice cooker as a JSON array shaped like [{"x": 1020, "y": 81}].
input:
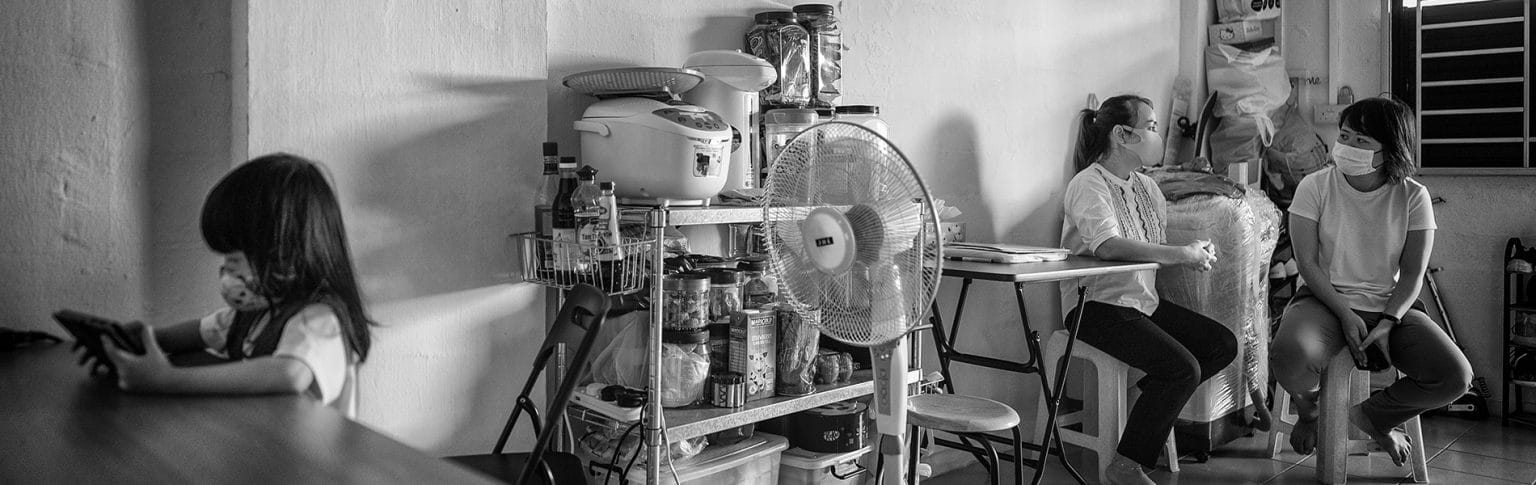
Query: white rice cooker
[{"x": 656, "y": 152}]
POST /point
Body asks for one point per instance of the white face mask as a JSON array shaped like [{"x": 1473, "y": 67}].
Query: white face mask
[
  {"x": 1150, "y": 149},
  {"x": 1353, "y": 161}
]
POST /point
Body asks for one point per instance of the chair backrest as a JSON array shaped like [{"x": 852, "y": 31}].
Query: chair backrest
[{"x": 580, "y": 318}]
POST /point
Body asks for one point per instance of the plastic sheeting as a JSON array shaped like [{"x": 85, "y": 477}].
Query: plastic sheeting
[{"x": 1234, "y": 292}]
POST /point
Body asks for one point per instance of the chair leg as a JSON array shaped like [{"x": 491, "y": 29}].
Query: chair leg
[
  {"x": 1418, "y": 453},
  {"x": 1280, "y": 412},
  {"x": 1333, "y": 420},
  {"x": 913, "y": 438},
  {"x": 1018, "y": 457},
  {"x": 993, "y": 468},
  {"x": 1172, "y": 449},
  {"x": 1111, "y": 414}
]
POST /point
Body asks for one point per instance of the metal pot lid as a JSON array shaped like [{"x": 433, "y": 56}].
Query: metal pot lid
[{"x": 634, "y": 81}]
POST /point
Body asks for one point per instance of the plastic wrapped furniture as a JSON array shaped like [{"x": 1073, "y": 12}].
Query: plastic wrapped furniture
[{"x": 1234, "y": 292}]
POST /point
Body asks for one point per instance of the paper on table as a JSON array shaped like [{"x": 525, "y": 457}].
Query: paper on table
[{"x": 1004, "y": 253}]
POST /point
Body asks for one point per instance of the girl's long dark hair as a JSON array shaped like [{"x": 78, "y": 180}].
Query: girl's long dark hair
[
  {"x": 1093, "y": 135},
  {"x": 1390, "y": 122},
  {"x": 280, "y": 211}
]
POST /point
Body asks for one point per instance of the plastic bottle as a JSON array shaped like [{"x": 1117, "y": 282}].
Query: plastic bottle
[
  {"x": 589, "y": 218},
  {"x": 826, "y": 47},
  {"x": 563, "y": 219},
  {"x": 610, "y": 253},
  {"x": 863, "y": 114}
]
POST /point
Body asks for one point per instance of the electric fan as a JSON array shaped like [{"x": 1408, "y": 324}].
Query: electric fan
[{"x": 852, "y": 232}]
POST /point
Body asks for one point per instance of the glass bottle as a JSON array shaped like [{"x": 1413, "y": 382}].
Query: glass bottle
[
  {"x": 786, "y": 45},
  {"x": 548, "y": 186},
  {"x": 563, "y": 219}
]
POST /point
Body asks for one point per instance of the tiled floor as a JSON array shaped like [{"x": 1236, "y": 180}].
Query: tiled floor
[{"x": 1461, "y": 453}]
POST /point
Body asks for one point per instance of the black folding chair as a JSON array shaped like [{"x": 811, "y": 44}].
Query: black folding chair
[{"x": 580, "y": 316}]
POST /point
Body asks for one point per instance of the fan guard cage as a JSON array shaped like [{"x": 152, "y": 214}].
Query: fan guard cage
[{"x": 889, "y": 288}]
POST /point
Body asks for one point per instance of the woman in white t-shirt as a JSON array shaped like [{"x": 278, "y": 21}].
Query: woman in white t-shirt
[
  {"x": 1116, "y": 213},
  {"x": 1363, "y": 231}
]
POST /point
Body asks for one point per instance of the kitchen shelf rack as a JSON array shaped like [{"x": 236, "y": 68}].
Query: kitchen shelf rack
[
  {"x": 687, "y": 422},
  {"x": 1519, "y": 304}
]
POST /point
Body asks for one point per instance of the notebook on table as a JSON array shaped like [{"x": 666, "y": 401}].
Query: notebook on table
[{"x": 1002, "y": 253}]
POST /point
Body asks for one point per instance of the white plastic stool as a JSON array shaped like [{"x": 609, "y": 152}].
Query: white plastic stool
[
  {"x": 1336, "y": 438},
  {"x": 1115, "y": 382}
]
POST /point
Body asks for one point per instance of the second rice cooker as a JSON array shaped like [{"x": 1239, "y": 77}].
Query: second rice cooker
[{"x": 657, "y": 152}]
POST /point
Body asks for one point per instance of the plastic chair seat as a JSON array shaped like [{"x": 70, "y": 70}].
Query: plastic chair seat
[
  {"x": 1342, "y": 385},
  {"x": 565, "y": 466},
  {"x": 960, "y": 414}
]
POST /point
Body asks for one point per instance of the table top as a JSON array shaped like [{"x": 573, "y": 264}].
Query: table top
[
  {"x": 1072, "y": 267},
  {"x": 63, "y": 426}
]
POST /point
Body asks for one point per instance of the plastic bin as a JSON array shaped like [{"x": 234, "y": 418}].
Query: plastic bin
[
  {"x": 753, "y": 461},
  {"x": 800, "y": 467}
]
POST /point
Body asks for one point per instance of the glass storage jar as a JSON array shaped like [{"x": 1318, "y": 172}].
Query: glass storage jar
[
  {"x": 684, "y": 366},
  {"x": 685, "y": 301}
]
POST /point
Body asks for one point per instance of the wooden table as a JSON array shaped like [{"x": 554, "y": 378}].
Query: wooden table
[
  {"x": 58, "y": 425},
  {"x": 1019, "y": 275}
]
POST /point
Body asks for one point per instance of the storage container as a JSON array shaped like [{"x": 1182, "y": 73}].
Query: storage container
[
  {"x": 753, "y": 461},
  {"x": 801, "y": 467}
]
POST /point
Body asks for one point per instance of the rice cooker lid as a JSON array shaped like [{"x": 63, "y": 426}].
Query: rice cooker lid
[{"x": 684, "y": 119}]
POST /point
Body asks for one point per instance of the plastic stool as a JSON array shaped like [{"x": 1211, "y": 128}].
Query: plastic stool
[
  {"x": 1115, "y": 383},
  {"x": 1336, "y": 438}
]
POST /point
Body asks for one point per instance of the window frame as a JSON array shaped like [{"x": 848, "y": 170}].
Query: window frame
[{"x": 1389, "y": 31}]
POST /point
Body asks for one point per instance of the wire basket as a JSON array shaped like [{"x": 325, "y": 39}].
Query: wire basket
[{"x": 561, "y": 264}]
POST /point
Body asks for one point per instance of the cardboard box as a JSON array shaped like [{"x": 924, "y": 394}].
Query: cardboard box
[
  {"x": 1242, "y": 32},
  {"x": 754, "y": 342}
]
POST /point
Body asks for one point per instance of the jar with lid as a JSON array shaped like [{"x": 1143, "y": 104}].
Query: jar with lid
[
  {"x": 779, "y": 127},
  {"x": 684, "y": 366},
  {"x": 685, "y": 301},
  {"x": 777, "y": 38},
  {"x": 824, "y": 115},
  {"x": 826, "y": 47},
  {"x": 724, "y": 293},
  {"x": 759, "y": 288},
  {"x": 866, "y": 115}
]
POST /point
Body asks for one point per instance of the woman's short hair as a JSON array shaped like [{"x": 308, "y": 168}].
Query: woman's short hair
[{"x": 1391, "y": 123}]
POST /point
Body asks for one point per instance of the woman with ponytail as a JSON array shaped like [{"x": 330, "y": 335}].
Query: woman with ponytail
[{"x": 1113, "y": 212}]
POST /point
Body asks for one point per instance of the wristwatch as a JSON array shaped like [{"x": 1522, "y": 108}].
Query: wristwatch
[{"x": 1386, "y": 316}]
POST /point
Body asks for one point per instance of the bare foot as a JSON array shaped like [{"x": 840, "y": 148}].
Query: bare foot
[
  {"x": 1394, "y": 442},
  {"x": 1304, "y": 432}
]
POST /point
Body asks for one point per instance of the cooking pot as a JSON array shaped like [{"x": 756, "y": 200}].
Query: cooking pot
[{"x": 656, "y": 152}]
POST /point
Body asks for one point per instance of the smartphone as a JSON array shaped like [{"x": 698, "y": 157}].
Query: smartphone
[{"x": 89, "y": 329}]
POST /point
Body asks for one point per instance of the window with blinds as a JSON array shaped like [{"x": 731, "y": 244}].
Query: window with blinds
[{"x": 1465, "y": 68}]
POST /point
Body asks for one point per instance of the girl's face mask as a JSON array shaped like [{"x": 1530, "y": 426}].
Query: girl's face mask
[{"x": 235, "y": 282}]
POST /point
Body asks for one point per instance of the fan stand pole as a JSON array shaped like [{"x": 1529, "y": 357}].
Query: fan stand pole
[{"x": 890, "y": 365}]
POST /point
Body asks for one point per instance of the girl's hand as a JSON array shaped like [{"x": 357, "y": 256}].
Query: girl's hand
[
  {"x": 1379, "y": 336},
  {"x": 1200, "y": 254},
  {"x": 1354, "y": 333},
  {"x": 139, "y": 372}
]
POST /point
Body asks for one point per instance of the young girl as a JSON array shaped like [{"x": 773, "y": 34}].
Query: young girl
[
  {"x": 295, "y": 322},
  {"x": 1115, "y": 213},
  {"x": 1363, "y": 231}
]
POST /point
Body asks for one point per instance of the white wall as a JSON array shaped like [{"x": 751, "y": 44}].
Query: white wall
[
  {"x": 429, "y": 116},
  {"x": 1480, "y": 212},
  {"x": 73, "y": 144},
  {"x": 980, "y": 94}
]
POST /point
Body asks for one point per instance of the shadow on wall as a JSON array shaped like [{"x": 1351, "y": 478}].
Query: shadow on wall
[
  {"x": 429, "y": 223},
  {"x": 186, "y": 57},
  {"x": 445, "y": 368}
]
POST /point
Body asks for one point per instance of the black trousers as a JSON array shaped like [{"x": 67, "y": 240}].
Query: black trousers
[{"x": 1177, "y": 348}]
